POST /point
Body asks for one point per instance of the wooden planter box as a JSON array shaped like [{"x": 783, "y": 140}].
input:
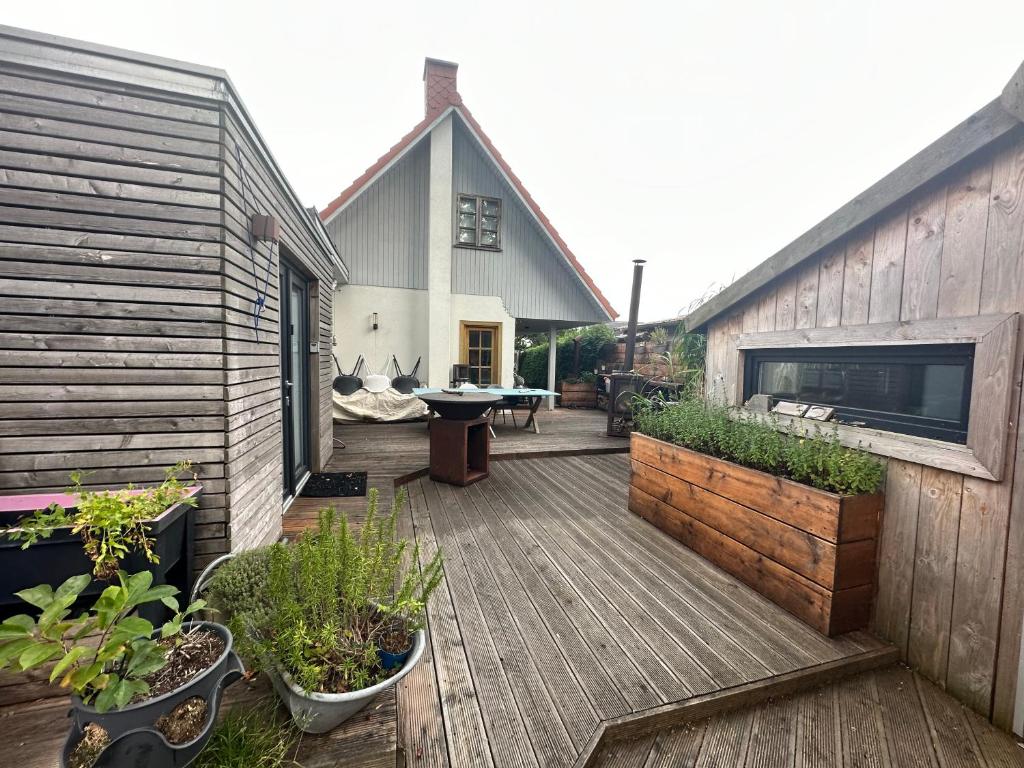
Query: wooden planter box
[
  {"x": 578, "y": 395},
  {"x": 811, "y": 552}
]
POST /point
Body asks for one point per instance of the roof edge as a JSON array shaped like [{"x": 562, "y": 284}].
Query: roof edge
[
  {"x": 991, "y": 122},
  {"x": 386, "y": 161},
  {"x": 94, "y": 61}
]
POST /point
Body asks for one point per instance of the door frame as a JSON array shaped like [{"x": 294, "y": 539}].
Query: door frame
[
  {"x": 289, "y": 271},
  {"x": 496, "y": 329}
]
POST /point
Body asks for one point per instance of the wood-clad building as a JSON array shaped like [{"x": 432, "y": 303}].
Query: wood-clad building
[
  {"x": 131, "y": 328},
  {"x": 923, "y": 271}
]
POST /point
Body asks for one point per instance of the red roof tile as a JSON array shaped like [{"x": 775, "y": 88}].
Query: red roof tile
[{"x": 359, "y": 184}]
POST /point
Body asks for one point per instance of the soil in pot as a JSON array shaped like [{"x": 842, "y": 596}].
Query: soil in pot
[
  {"x": 199, "y": 650},
  {"x": 185, "y": 722},
  {"x": 94, "y": 740}
]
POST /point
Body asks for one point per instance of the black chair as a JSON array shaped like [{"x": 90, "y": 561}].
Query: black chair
[
  {"x": 460, "y": 374},
  {"x": 503, "y": 406}
]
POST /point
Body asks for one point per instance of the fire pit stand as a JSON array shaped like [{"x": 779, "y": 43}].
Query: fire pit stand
[
  {"x": 460, "y": 438},
  {"x": 459, "y": 450}
]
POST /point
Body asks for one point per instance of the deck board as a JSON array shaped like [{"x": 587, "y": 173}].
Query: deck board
[
  {"x": 561, "y": 611},
  {"x": 805, "y": 731},
  {"x": 574, "y": 611}
]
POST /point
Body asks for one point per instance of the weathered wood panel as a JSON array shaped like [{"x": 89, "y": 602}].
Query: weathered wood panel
[
  {"x": 127, "y": 293},
  {"x": 950, "y": 583}
]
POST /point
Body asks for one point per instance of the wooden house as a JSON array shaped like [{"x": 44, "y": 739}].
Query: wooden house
[
  {"x": 902, "y": 311},
  {"x": 140, "y": 316},
  {"x": 450, "y": 256}
]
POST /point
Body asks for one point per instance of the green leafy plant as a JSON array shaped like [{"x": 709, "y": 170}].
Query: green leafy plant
[
  {"x": 587, "y": 377},
  {"x": 112, "y": 524},
  {"x": 317, "y": 608},
  {"x": 659, "y": 336},
  {"x": 814, "y": 457},
  {"x": 108, "y": 673},
  {"x": 533, "y": 360}
]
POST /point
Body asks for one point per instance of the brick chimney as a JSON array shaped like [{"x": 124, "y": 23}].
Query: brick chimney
[{"x": 439, "y": 87}]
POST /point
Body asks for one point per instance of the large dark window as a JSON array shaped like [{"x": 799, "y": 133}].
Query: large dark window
[{"x": 914, "y": 389}]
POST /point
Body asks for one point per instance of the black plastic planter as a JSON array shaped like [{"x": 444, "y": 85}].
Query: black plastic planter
[
  {"x": 58, "y": 558},
  {"x": 134, "y": 741}
]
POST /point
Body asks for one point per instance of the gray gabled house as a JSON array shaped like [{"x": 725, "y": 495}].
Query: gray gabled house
[{"x": 450, "y": 257}]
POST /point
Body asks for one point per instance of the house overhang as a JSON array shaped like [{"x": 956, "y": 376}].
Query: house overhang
[{"x": 989, "y": 124}]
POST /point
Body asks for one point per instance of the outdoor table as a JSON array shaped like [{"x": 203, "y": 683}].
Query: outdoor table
[{"x": 533, "y": 396}]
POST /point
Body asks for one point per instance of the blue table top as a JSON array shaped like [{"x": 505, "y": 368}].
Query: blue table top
[{"x": 503, "y": 391}]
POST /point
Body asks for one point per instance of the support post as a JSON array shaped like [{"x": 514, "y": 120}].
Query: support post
[{"x": 552, "y": 351}]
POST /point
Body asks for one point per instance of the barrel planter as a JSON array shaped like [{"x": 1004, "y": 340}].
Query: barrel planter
[
  {"x": 809, "y": 551},
  {"x": 578, "y": 395}
]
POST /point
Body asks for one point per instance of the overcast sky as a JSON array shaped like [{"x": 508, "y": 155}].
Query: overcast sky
[{"x": 700, "y": 136}]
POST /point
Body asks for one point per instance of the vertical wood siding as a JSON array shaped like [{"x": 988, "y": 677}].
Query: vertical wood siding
[
  {"x": 382, "y": 235},
  {"x": 126, "y": 340},
  {"x": 951, "y": 573},
  {"x": 528, "y": 274}
]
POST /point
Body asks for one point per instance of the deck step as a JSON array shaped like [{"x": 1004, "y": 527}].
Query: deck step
[{"x": 650, "y": 721}]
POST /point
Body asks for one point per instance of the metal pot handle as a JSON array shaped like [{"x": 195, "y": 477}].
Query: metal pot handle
[{"x": 206, "y": 575}]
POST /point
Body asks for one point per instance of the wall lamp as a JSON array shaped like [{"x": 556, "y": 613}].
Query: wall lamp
[{"x": 375, "y": 321}]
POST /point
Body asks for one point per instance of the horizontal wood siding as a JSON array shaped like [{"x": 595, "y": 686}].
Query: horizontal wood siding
[
  {"x": 253, "y": 386},
  {"x": 127, "y": 292},
  {"x": 382, "y": 235},
  {"x": 111, "y": 304},
  {"x": 951, "y": 573},
  {"x": 528, "y": 273}
]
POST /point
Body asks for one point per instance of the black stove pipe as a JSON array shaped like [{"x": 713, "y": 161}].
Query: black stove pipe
[{"x": 634, "y": 310}]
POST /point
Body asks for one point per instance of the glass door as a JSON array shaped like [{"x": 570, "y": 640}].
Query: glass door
[
  {"x": 294, "y": 376},
  {"x": 481, "y": 351}
]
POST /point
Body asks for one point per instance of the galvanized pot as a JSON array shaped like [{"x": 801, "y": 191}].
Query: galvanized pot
[{"x": 322, "y": 712}]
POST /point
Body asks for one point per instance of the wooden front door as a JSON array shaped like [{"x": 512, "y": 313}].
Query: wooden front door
[{"x": 481, "y": 351}]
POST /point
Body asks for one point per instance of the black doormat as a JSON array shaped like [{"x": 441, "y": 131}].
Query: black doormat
[{"x": 322, "y": 484}]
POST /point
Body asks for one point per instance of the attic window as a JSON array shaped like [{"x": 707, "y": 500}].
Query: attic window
[{"x": 478, "y": 222}]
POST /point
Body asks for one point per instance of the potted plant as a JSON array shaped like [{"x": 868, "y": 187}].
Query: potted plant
[
  {"x": 793, "y": 515},
  {"x": 138, "y": 689},
  {"x": 321, "y": 615},
  {"x": 657, "y": 342},
  {"x": 579, "y": 391},
  {"x": 133, "y": 529}
]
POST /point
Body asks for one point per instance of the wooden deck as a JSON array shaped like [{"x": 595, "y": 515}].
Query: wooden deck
[
  {"x": 569, "y": 631},
  {"x": 390, "y": 452},
  {"x": 561, "y": 610},
  {"x": 891, "y": 717}
]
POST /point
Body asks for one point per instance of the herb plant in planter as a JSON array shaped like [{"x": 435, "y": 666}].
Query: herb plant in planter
[
  {"x": 133, "y": 686},
  {"x": 322, "y": 614},
  {"x": 105, "y": 531},
  {"x": 793, "y": 515}
]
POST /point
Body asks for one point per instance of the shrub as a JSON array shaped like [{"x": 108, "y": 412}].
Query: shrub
[
  {"x": 318, "y": 607},
  {"x": 238, "y": 592},
  {"x": 533, "y": 362},
  {"x": 814, "y": 458}
]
